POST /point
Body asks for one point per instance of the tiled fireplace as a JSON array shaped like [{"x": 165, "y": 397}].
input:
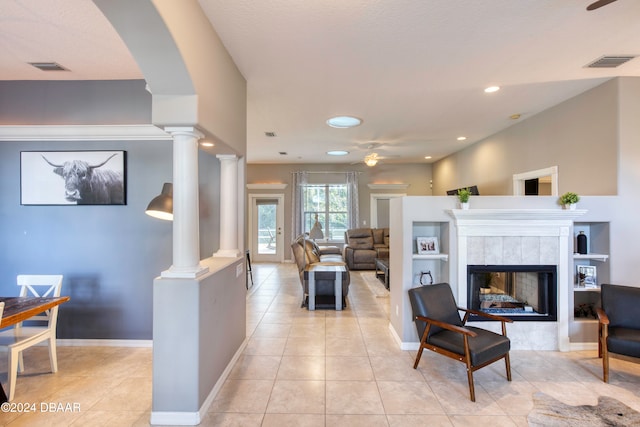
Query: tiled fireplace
[{"x": 520, "y": 237}]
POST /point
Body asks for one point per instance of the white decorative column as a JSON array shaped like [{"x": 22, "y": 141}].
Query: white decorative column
[
  {"x": 228, "y": 206},
  {"x": 186, "y": 229}
]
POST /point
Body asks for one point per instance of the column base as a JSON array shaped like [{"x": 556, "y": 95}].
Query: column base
[
  {"x": 184, "y": 273},
  {"x": 227, "y": 253}
]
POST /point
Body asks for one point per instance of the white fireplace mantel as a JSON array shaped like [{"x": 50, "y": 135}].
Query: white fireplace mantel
[
  {"x": 520, "y": 236},
  {"x": 462, "y": 215}
]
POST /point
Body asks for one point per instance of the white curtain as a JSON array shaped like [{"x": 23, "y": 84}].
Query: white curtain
[
  {"x": 352, "y": 196},
  {"x": 299, "y": 180}
]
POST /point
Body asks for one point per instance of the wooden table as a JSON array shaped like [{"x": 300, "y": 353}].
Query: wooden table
[{"x": 18, "y": 309}]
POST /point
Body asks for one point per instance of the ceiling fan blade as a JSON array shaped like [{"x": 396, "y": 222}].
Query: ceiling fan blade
[{"x": 598, "y": 4}]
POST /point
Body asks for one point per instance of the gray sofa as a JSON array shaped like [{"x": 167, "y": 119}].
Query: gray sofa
[
  {"x": 364, "y": 245},
  {"x": 306, "y": 252}
]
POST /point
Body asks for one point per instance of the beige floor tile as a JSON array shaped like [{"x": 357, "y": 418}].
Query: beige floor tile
[
  {"x": 246, "y": 396},
  {"x": 353, "y": 397},
  {"x": 482, "y": 421},
  {"x": 454, "y": 398},
  {"x": 395, "y": 368},
  {"x": 297, "y": 397},
  {"x": 419, "y": 420},
  {"x": 250, "y": 367},
  {"x": 228, "y": 419},
  {"x": 109, "y": 418},
  {"x": 353, "y": 346},
  {"x": 404, "y": 397},
  {"x": 131, "y": 394},
  {"x": 302, "y": 368},
  {"x": 294, "y": 420},
  {"x": 349, "y": 368},
  {"x": 265, "y": 346},
  {"x": 305, "y": 346},
  {"x": 271, "y": 330},
  {"x": 358, "y": 420}
]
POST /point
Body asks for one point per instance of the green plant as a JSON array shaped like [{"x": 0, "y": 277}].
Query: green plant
[
  {"x": 463, "y": 195},
  {"x": 569, "y": 198}
]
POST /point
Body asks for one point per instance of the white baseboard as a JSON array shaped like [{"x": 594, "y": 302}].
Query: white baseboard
[
  {"x": 401, "y": 344},
  {"x": 103, "y": 343},
  {"x": 195, "y": 418},
  {"x": 581, "y": 346}
]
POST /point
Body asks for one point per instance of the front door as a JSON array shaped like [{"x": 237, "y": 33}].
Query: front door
[{"x": 265, "y": 223}]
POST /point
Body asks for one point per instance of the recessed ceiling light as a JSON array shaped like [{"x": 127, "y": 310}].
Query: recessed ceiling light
[
  {"x": 207, "y": 144},
  {"x": 492, "y": 89},
  {"x": 514, "y": 116},
  {"x": 427, "y": 157},
  {"x": 462, "y": 138},
  {"x": 337, "y": 153},
  {"x": 343, "y": 122}
]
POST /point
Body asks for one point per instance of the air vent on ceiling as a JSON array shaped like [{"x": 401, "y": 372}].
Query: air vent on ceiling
[
  {"x": 270, "y": 134},
  {"x": 282, "y": 153},
  {"x": 48, "y": 66},
  {"x": 610, "y": 61}
]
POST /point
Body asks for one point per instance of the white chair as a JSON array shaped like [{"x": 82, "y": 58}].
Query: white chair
[{"x": 21, "y": 337}]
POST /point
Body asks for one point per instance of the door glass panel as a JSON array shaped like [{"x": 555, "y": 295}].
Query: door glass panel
[{"x": 267, "y": 228}]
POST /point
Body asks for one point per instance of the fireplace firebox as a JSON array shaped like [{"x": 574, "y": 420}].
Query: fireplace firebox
[{"x": 519, "y": 292}]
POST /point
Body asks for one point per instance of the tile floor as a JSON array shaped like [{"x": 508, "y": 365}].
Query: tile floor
[{"x": 322, "y": 368}]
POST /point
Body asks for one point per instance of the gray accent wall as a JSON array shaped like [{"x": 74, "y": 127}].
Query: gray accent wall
[{"x": 109, "y": 255}]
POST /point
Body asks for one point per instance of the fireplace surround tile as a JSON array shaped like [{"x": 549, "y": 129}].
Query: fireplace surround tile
[{"x": 512, "y": 248}]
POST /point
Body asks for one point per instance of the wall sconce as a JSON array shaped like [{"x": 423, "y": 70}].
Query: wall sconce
[{"x": 161, "y": 207}]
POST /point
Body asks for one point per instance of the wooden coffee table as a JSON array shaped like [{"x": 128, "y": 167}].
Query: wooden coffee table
[{"x": 382, "y": 270}]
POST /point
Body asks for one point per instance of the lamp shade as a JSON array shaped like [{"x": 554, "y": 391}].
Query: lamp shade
[
  {"x": 316, "y": 230},
  {"x": 162, "y": 206}
]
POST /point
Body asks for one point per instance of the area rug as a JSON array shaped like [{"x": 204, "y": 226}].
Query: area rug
[
  {"x": 550, "y": 412},
  {"x": 375, "y": 285}
]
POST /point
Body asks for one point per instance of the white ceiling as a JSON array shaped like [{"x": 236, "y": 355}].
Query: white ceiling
[{"x": 414, "y": 71}]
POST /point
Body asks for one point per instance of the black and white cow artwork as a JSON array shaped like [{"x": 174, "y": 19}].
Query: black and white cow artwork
[{"x": 87, "y": 184}]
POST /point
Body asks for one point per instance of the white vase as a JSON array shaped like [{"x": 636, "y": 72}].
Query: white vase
[
  {"x": 464, "y": 206},
  {"x": 571, "y": 207}
]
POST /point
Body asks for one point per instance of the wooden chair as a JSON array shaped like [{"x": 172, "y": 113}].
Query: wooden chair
[
  {"x": 441, "y": 330},
  {"x": 618, "y": 323},
  {"x": 22, "y": 337}
]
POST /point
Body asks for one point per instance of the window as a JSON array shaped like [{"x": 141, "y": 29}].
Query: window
[{"x": 329, "y": 202}]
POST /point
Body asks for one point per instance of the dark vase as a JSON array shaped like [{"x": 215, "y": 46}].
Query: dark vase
[{"x": 582, "y": 243}]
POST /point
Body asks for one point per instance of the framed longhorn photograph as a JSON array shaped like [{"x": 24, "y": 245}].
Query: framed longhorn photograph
[{"x": 73, "y": 178}]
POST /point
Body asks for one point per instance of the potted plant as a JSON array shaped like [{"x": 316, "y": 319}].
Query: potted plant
[
  {"x": 569, "y": 200},
  {"x": 463, "y": 197}
]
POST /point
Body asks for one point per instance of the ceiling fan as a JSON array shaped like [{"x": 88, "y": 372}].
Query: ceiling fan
[
  {"x": 372, "y": 158},
  {"x": 599, "y": 4}
]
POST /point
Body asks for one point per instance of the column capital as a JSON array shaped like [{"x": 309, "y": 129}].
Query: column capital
[
  {"x": 227, "y": 156},
  {"x": 184, "y": 130}
]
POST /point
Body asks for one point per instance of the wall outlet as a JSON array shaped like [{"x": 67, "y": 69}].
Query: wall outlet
[{"x": 239, "y": 269}]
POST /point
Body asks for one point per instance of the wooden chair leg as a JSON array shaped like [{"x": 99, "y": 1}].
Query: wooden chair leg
[
  {"x": 472, "y": 390},
  {"x": 418, "y": 356},
  {"x": 507, "y": 362},
  {"x": 605, "y": 363}
]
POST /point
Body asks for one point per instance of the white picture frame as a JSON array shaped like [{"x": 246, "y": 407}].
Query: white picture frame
[
  {"x": 587, "y": 276},
  {"x": 427, "y": 245}
]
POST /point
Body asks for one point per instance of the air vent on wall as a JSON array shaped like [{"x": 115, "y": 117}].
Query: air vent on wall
[
  {"x": 611, "y": 61},
  {"x": 48, "y": 66},
  {"x": 270, "y": 134}
]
